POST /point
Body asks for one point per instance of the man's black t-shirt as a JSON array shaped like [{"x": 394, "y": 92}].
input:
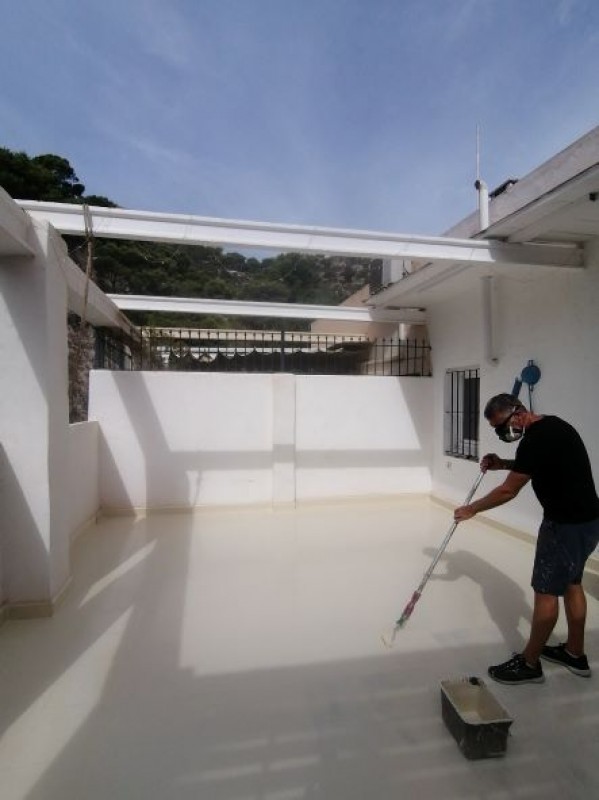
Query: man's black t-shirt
[{"x": 554, "y": 456}]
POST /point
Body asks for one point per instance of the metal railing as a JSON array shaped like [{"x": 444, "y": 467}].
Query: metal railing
[
  {"x": 114, "y": 350},
  {"x": 301, "y": 353}
]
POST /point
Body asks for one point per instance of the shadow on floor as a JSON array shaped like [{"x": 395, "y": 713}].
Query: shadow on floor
[
  {"x": 342, "y": 731},
  {"x": 504, "y": 599},
  {"x": 348, "y": 729}
]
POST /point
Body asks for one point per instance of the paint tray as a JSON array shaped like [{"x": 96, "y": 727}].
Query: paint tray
[{"x": 475, "y": 719}]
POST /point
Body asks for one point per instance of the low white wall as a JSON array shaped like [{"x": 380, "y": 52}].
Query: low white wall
[
  {"x": 83, "y": 476},
  {"x": 362, "y": 436},
  {"x": 184, "y": 439},
  {"x": 181, "y": 440}
]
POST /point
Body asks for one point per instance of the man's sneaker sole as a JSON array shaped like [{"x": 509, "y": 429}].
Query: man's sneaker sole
[
  {"x": 537, "y": 679},
  {"x": 582, "y": 673}
]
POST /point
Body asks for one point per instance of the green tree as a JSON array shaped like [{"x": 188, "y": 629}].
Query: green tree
[
  {"x": 98, "y": 200},
  {"x": 125, "y": 267},
  {"x": 45, "y": 177},
  {"x": 63, "y": 183},
  {"x": 264, "y": 289}
]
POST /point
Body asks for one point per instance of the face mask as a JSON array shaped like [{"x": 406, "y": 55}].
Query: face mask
[{"x": 509, "y": 433}]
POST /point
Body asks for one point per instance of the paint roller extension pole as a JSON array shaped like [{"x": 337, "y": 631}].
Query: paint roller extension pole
[{"x": 407, "y": 612}]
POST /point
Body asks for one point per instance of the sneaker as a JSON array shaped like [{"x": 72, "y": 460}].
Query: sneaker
[
  {"x": 579, "y": 665},
  {"x": 516, "y": 670}
]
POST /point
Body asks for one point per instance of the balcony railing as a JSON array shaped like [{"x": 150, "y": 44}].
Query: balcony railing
[{"x": 301, "y": 353}]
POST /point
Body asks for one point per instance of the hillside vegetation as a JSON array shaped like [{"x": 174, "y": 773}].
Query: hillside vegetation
[{"x": 123, "y": 267}]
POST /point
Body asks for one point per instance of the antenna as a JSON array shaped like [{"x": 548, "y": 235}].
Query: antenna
[{"x": 477, "y": 151}]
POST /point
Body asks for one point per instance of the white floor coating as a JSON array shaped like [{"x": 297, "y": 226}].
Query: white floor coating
[{"x": 237, "y": 656}]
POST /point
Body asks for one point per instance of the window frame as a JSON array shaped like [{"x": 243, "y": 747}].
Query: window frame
[{"x": 461, "y": 424}]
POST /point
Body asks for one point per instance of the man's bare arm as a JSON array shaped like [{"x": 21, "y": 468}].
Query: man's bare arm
[
  {"x": 496, "y": 497},
  {"x": 494, "y": 462}
]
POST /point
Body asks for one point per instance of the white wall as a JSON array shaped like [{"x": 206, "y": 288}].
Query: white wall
[
  {"x": 3, "y": 491},
  {"x": 83, "y": 475},
  {"x": 184, "y": 439},
  {"x": 180, "y": 440},
  {"x": 552, "y": 319},
  {"x": 33, "y": 422},
  {"x": 362, "y": 436}
]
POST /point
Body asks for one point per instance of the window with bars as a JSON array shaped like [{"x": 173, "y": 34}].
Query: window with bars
[{"x": 462, "y": 404}]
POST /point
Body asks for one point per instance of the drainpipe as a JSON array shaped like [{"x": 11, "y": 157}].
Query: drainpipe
[
  {"x": 490, "y": 354},
  {"x": 483, "y": 203}
]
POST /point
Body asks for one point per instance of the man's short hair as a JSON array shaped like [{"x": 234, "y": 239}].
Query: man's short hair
[{"x": 501, "y": 402}]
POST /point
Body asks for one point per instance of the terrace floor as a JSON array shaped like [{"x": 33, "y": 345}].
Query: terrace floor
[{"x": 236, "y": 655}]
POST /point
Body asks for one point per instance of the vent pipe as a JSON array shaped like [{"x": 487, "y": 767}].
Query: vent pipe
[
  {"x": 482, "y": 189},
  {"x": 489, "y": 344},
  {"x": 483, "y": 204}
]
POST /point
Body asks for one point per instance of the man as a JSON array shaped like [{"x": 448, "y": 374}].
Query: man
[{"x": 552, "y": 455}]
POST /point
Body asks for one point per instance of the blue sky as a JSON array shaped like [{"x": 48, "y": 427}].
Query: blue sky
[{"x": 343, "y": 113}]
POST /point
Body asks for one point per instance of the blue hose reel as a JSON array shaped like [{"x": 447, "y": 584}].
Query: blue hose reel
[{"x": 530, "y": 375}]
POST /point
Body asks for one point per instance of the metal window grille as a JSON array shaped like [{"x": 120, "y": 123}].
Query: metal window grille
[
  {"x": 462, "y": 404},
  {"x": 113, "y": 350}
]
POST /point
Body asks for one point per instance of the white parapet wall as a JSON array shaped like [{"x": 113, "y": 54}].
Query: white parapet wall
[
  {"x": 362, "y": 436},
  {"x": 181, "y": 440}
]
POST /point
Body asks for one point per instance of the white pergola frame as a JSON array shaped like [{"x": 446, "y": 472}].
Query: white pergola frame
[
  {"x": 440, "y": 257},
  {"x": 118, "y": 223},
  {"x": 241, "y": 308}
]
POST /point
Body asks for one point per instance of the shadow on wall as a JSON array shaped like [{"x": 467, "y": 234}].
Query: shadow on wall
[
  {"x": 155, "y": 474},
  {"x": 18, "y": 286},
  {"x": 171, "y": 478},
  {"x": 24, "y": 563},
  {"x": 32, "y": 426},
  {"x": 325, "y": 459},
  {"x": 24, "y": 559}
]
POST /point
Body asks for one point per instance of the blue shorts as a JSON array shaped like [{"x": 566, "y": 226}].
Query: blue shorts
[{"x": 562, "y": 551}]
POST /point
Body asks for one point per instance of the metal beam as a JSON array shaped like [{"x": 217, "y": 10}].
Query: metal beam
[
  {"x": 120, "y": 223},
  {"x": 238, "y": 308}
]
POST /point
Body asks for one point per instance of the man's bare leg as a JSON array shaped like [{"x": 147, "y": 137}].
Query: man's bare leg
[
  {"x": 575, "y": 604},
  {"x": 544, "y": 617}
]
